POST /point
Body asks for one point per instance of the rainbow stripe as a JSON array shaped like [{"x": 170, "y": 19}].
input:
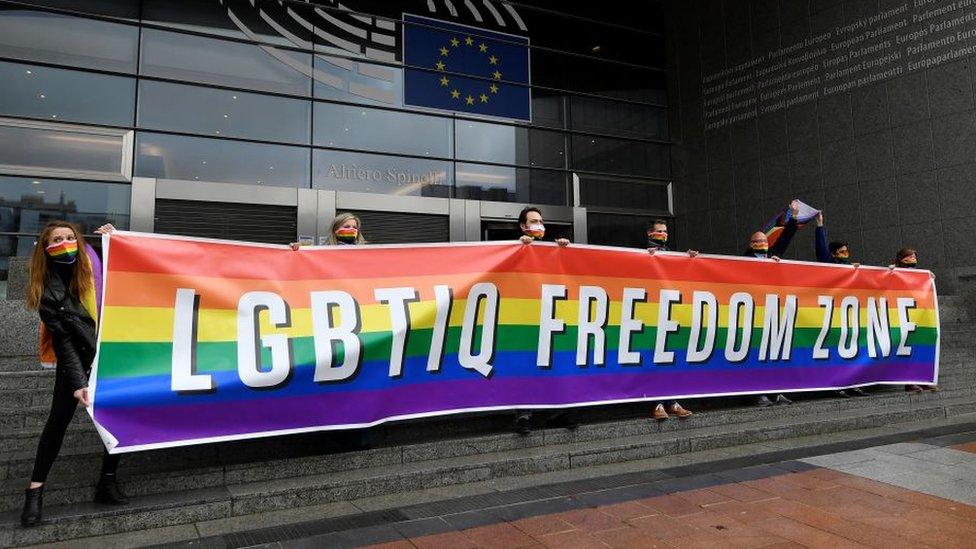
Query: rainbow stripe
[
  {"x": 63, "y": 250},
  {"x": 137, "y": 409}
]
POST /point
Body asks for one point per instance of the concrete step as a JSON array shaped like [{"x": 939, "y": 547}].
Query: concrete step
[
  {"x": 269, "y": 459},
  {"x": 562, "y": 453}
]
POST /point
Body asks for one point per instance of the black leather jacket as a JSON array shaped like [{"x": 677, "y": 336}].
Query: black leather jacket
[{"x": 72, "y": 331}]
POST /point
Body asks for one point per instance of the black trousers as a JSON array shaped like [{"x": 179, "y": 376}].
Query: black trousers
[{"x": 63, "y": 407}]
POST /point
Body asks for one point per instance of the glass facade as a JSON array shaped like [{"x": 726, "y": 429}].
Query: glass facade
[{"x": 296, "y": 94}]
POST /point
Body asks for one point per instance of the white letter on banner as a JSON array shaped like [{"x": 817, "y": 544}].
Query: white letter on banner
[
  {"x": 827, "y": 302},
  {"x": 879, "y": 333},
  {"x": 548, "y": 323},
  {"x": 700, "y": 300},
  {"x": 184, "y": 357},
  {"x": 481, "y": 362},
  {"x": 248, "y": 331},
  {"x": 443, "y": 300},
  {"x": 847, "y": 346},
  {"x": 397, "y": 299},
  {"x": 591, "y": 326},
  {"x": 905, "y": 325},
  {"x": 777, "y": 334},
  {"x": 739, "y": 300},
  {"x": 665, "y": 326},
  {"x": 325, "y": 334},
  {"x": 629, "y": 325}
]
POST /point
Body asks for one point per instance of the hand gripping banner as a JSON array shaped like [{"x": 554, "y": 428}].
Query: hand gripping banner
[{"x": 205, "y": 340}]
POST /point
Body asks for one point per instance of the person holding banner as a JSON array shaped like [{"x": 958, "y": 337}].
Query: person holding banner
[
  {"x": 907, "y": 258},
  {"x": 759, "y": 247},
  {"x": 64, "y": 288},
  {"x": 533, "y": 228},
  {"x": 344, "y": 231},
  {"x": 657, "y": 241}
]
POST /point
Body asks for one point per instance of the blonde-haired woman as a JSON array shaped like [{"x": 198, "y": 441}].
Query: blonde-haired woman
[
  {"x": 345, "y": 230},
  {"x": 64, "y": 283}
]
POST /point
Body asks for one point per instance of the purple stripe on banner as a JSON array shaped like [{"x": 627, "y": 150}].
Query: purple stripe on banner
[{"x": 162, "y": 424}]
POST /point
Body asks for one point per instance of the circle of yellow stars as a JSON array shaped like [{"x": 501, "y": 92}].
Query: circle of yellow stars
[{"x": 446, "y": 50}]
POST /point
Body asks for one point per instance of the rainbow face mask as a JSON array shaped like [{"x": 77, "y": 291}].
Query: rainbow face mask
[
  {"x": 658, "y": 237},
  {"x": 910, "y": 261},
  {"x": 347, "y": 235},
  {"x": 535, "y": 231},
  {"x": 65, "y": 251},
  {"x": 759, "y": 248},
  {"x": 842, "y": 255}
]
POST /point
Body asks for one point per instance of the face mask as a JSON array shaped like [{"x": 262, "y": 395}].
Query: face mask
[
  {"x": 909, "y": 262},
  {"x": 65, "y": 251},
  {"x": 347, "y": 235},
  {"x": 535, "y": 231},
  {"x": 658, "y": 237},
  {"x": 842, "y": 255},
  {"x": 759, "y": 248}
]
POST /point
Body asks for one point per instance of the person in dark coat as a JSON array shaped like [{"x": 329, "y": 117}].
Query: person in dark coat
[
  {"x": 907, "y": 258},
  {"x": 62, "y": 288}
]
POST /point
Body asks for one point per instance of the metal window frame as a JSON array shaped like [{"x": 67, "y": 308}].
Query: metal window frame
[{"x": 126, "y": 142}]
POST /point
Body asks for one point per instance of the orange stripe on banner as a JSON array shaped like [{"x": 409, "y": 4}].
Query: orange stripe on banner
[
  {"x": 147, "y": 254},
  {"x": 127, "y": 289}
]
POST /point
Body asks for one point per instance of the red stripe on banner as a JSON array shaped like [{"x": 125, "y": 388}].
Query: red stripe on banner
[{"x": 215, "y": 259}]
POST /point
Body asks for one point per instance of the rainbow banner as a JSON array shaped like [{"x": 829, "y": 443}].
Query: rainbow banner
[{"x": 205, "y": 341}]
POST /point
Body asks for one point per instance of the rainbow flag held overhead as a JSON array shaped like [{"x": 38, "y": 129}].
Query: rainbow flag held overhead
[
  {"x": 204, "y": 340},
  {"x": 774, "y": 227}
]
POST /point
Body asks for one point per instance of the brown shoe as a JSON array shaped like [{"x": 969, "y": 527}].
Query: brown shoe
[
  {"x": 677, "y": 410},
  {"x": 659, "y": 413},
  {"x": 933, "y": 388},
  {"x": 913, "y": 388}
]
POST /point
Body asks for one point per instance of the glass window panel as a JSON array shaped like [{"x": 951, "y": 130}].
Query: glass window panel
[
  {"x": 357, "y": 81},
  {"x": 66, "y": 40},
  {"x": 351, "y": 127},
  {"x": 504, "y": 144},
  {"x": 128, "y": 9},
  {"x": 376, "y": 173},
  {"x": 60, "y": 94},
  {"x": 611, "y": 229},
  {"x": 607, "y": 155},
  {"x": 42, "y": 149},
  {"x": 547, "y": 109},
  {"x": 224, "y": 63},
  {"x": 505, "y": 184},
  {"x": 621, "y": 193},
  {"x": 259, "y": 20},
  {"x": 27, "y": 204},
  {"x": 597, "y": 77},
  {"x": 209, "y": 111},
  {"x": 613, "y": 117},
  {"x": 201, "y": 159}
]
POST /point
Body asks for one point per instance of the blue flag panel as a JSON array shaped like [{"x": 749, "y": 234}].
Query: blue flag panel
[{"x": 465, "y": 69}]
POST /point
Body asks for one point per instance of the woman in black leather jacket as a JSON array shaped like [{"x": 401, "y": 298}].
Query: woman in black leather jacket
[{"x": 62, "y": 289}]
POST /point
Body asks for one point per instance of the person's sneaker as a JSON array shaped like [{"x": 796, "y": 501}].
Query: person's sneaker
[
  {"x": 913, "y": 388},
  {"x": 781, "y": 399},
  {"x": 764, "y": 402},
  {"x": 842, "y": 393},
  {"x": 679, "y": 411},
  {"x": 933, "y": 388},
  {"x": 858, "y": 392},
  {"x": 522, "y": 426},
  {"x": 659, "y": 412},
  {"x": 107, "y": 492}
]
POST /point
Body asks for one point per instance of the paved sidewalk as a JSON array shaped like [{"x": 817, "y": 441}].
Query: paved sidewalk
[{"x": 907, "y": 494}]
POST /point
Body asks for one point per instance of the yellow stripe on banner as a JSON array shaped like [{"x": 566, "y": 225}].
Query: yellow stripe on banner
[{"x": 155, "y": 324}]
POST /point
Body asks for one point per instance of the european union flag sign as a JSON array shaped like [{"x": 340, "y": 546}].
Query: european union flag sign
[{"x": 441, "y": 59}]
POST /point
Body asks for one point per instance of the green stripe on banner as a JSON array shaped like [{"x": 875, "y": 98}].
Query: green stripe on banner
[{"x": 154, "y": 359}]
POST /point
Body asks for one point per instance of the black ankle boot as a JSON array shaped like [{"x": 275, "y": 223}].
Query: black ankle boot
[
  {"x": 32, "y": 506},
  {"x": 107, "y": 491}
]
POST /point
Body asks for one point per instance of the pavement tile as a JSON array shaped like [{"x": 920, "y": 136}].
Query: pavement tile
[
  {"x": 543, "y": 525},
  {"x": 631, "y": 537},
  {"x": 591, "y": 520},
  {"x": 702, "y": 540},
  {"x": 671, "y": 505},
  {"x": 741, "y": 491},
  {"x": 842, "y": 525},
  {"x": 398, "y": 544},
  {"x": 572, "y": 540},
  {"x": 662, "y": 527},
  {"x": 806, "y": 481},
  {"x": 747, "y": 513},
  {"x": 446, "y": 540},
  {"x": 967, "y": 447},
  {"x": 627, "y": 510},
  {"x": 806, "y": 535},
  {"x": 499, "y": 535},
  {"x": 703, "y": 497}
]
